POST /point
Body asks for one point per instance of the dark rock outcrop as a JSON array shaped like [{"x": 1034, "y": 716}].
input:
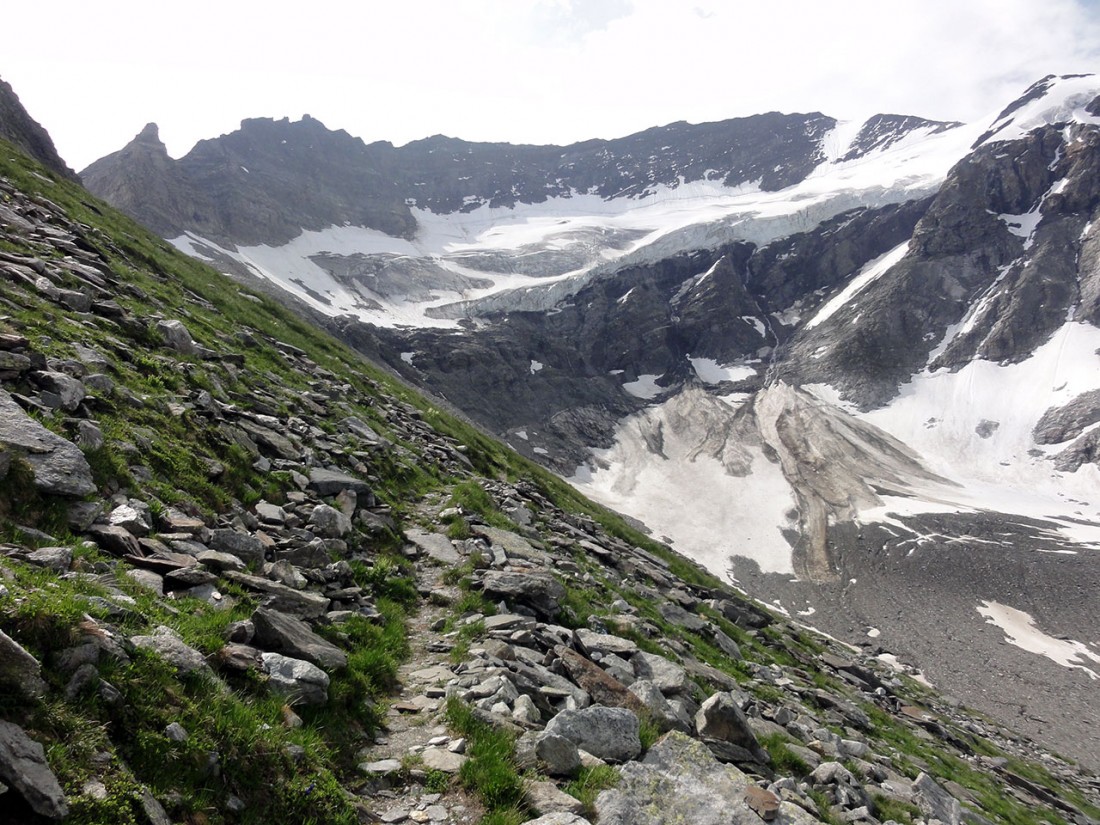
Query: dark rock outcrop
[{"x": 18, "y": 127}]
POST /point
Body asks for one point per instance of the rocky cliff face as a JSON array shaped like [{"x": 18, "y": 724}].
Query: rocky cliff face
[
  {"x": 247, "y": 577},
  {"x": 19, "y": 128}
]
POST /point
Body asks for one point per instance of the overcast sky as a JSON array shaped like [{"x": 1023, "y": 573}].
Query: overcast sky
[{"x": 531, "y": 71}]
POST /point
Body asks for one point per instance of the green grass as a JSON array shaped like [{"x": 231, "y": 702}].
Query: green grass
[
  {"x": 785, "y": 761},
  {"x": 489, "y": 772},
  {"x": 588, "y": 783}
]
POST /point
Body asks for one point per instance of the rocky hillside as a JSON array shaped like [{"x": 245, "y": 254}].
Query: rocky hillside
[{"x": 248, "y": 577}]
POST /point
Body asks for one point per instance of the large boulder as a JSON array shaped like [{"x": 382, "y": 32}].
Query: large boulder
[
  {"x": 23, "y": 766},
  {"x": 680, "y": 780},
  {"x": 604, "y": 688},
  {"x": 669, "y": 677},
  {"x": 176, "y": 336},
  {"x": 537, "y": 590},
  {"x": 280, "y": 633},
  {"x": 58, "y": 465},
  {"x": 329, "y": 522},
  {"x": 611, "y": 734},
  {"x": 298, "y": 681},
  {"x": 332, "y": 482},
  {"x": 244, "y": 546},
  {"x": 723, "y": 726}
]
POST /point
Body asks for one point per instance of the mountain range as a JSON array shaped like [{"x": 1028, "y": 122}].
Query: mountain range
[{"x": 851, "y": 366}]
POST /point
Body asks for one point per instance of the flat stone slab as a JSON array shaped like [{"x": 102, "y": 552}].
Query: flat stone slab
[
  {"x": 441, "y": 759},
  {"x": 435, "y": 546},
  {"x": 432, "y": 675}
]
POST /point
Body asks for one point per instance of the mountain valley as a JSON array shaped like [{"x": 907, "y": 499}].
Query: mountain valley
[{"x": 849, "y": 370}]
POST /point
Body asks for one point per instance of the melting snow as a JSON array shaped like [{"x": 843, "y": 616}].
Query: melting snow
[
  {"x": 1020, "y": 630},
  {"x": 870, "y": 273},
  {"x": 407, "y": 357},
  {"x": 686, "y": 491},
  {"x": 710, "y": 372},
  {"x": 535, "y": 366},
  {"x": 939, "y": 415},
  {"x": 645, "y": 387}
]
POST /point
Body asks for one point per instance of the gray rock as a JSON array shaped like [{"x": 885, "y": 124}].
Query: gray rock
[
  {"x": 514, "y": 546},
  {"x": 435, "y": 545},
  {"x": 681, "y": 781},
  {"x": 678, "y": 616},
  {"x": 381, "y": 766},
  {"x": 115, "y": 539},
  {"x": 176, "y": 336},
  {"x": 305, "y": 604},
  {"x": 88, "y": 435},
  {"x": 14, "y": 362},
  {"x": 525, "y": 710},
  {"x": 723, "y": 726},
  {"x": 58, "y": 465},
  {"x": 538, "y": 590},
  {"x": 69, "y": 390},
  {"x": 244, "y": 546},
  {"x": 19, "y": 670},
  {"x": 664, "y": 714},
  {"x": 176, "y": 732},
  {"x": 935, "y": 802},
  {"x": 558, "y": 755},
  {"x": 293, "y": 637},
  {"x": 270, "y": 513},
  {"x": 131, "y": 519},
  {"x": 668, "y": 676},
  {"x": 560, "y": 818},
  {"x": 331, "y": 482},
  {"x": 591, "y": 642},
  {"x": 58, "y": 559},
  {"x": 611, "y": 734},
  {"x": 218, "y": 560},
  {"x": 299, "y": 681},
  {"x": 23, "y": 767},
  {"x": 329, "y": 522},
  {"x": 546, "y": 798},
  {"x": 286, "y": 573},
  {"x": 441, "y": 759},
  {"x": 167, "y": 645}
]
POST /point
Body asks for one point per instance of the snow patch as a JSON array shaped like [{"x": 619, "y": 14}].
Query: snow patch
[
  {"x": 871, "y": 272},
  {"x": 710, "y": 372},
  {"x": 1020, "y": 630},
  {"x": 535, "y": 366},
  {"x": 645, "y": 387}
]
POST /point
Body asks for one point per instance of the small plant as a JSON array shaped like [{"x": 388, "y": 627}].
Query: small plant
[
  {"x": 489, "y": 771},
  {"x": 588, "y": 784},
  {"x": 784, "y": 760}
]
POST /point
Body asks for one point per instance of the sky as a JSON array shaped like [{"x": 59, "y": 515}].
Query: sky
[{"x": 521, "y": 71}]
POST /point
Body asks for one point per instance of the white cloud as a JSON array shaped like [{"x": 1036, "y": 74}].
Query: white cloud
[{"x": 546, "y": 71}]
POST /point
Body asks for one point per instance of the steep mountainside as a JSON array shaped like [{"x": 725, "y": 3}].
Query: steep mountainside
[
  {"x": 19, "y": 128},
  {"x": 865, "y": 375},
  {"x": 247, "y": 577}
]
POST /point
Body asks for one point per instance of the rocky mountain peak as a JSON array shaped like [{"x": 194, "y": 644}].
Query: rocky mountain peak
[{"x": 150, "y": 135}]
